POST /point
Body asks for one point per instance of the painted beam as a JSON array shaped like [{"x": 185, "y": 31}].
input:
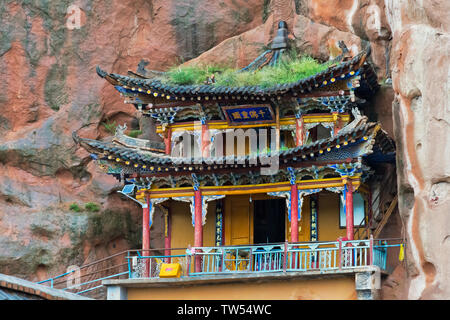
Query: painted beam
[
  {"x": 248, "y": 189},
  {"x": 286, "y": 121}
]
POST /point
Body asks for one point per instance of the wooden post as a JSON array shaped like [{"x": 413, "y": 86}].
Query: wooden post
[
  {"x": 205, "y": 141},
  {"x": 349, "y": 210},
  {"x": 198, "y": 228},
  {"x": 277, "y": 117},
  {"x": 188, "y": 269},
  {"x": 146, "y": 235},
  {"x": 167, "y": 235},
  {"x": 340, "y": 253},
  {"x": 285, "y": 256},
  {"x": 294, "y": 213},
  {"x": 299, "y": 131},
  {"x": 371, "y": 250},
  {"x": 168, "y": 141}
]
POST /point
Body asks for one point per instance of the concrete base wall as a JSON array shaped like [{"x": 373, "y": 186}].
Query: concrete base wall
[
  {"x": 343, "y": 289},
  {"x": 358, "y": 283}
]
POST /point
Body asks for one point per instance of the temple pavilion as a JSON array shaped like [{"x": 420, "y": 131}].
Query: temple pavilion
[{"x": 259, "y": 169}]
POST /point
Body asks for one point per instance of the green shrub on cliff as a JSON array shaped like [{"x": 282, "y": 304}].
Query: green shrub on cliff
[
  {"x": 110, "y": 126},
  {"x": 92, "y": 207},
  {"x": 75, "y": 207}
]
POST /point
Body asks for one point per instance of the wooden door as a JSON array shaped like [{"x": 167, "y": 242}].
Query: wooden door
[{"x": 237, "y": 220}]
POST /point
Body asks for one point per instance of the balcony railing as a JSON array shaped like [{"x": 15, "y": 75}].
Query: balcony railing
[
  {"x": 324, "y": 257},
  {"x": 275, "y": 257}
]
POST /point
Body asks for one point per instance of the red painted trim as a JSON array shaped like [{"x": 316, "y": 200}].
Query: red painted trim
[
  {"x": 340, "y": 252},
  {"x": 205, "y": 141},
  {"x": 349, "y": 211},
  {"x": 299, "y": 132},
  {"x": 168, "y": 141},
  {"x": 198, "y": 228},
  {"x": 294, "y": 213}
]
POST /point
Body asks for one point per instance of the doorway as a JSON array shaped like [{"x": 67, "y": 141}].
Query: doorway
[{"x": 269, "y": 221}]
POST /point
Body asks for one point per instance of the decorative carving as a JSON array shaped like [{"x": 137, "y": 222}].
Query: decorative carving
[{"x": 120, "y": 130}]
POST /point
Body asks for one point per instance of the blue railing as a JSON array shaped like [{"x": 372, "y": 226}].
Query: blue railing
[
  {"x": 321, "y": 256},
  {"x": 329, "y": 256}
]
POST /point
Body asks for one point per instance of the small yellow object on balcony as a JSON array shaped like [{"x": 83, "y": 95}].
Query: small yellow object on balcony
[
  {"x": 170, "y": 270},
  {"x": 401, "y": 254}
]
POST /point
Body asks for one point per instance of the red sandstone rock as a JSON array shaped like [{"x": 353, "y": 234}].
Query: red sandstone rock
[{"x": 45, "y": 65}]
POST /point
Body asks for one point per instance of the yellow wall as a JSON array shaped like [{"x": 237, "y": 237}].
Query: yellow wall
[
  {"x": 328, "y": 217},
  {"x": 292, "y": 289},
  {"x": 236, "y": 218},
  {"x": 182, "y": 229}
]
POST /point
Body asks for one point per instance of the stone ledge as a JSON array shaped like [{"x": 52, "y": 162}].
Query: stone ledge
[
  {"x": 42, "y": 291},
  {"x": 236, "y": 277}
]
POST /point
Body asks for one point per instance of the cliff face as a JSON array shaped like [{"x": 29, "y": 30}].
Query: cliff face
[{"x": 48, "y": 56}]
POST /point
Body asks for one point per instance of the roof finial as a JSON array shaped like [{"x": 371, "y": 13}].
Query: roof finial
[{"x": 280, "y": 40}]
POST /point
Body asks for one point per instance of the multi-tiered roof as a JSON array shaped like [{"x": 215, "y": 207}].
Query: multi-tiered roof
[{"x": 339, "y": 88}]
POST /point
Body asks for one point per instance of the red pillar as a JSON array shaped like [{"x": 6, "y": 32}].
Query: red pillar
[
  {"x": 349, "y": 210},
  {"x": 294, "y": 213},
  {"x": 205, "y": 141},
  {"x": 168, "y": 141},
  {"x": 146, "y": 234},
  {"x": 198, "y": 228},
  {"x": 299, "y": 131}
]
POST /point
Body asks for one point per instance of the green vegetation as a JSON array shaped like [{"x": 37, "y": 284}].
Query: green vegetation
[
  {"x": 75, "y": 207},
  {"x": 134, "y": 133},
  {"x": 290, "y": 69},
  {"x": 110, "y": 126},
  {"x": 92, "y": 207}
]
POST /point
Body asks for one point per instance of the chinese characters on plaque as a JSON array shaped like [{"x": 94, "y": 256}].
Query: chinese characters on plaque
[{"x": 248, "y": 114}]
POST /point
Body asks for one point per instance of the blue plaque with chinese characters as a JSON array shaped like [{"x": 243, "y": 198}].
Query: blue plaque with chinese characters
[{"x": 248, "y": 114}]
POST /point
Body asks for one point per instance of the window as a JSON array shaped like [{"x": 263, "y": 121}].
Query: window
[{"x": 358, "y": 211}]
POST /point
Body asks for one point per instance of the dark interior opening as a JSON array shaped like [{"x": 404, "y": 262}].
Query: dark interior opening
[{"x": 269, "y": 221}]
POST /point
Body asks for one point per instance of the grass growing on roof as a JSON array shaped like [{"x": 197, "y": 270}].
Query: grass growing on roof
[
  {"x": 290, "y": 69},
  {"x": 134, "y": 133}
]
